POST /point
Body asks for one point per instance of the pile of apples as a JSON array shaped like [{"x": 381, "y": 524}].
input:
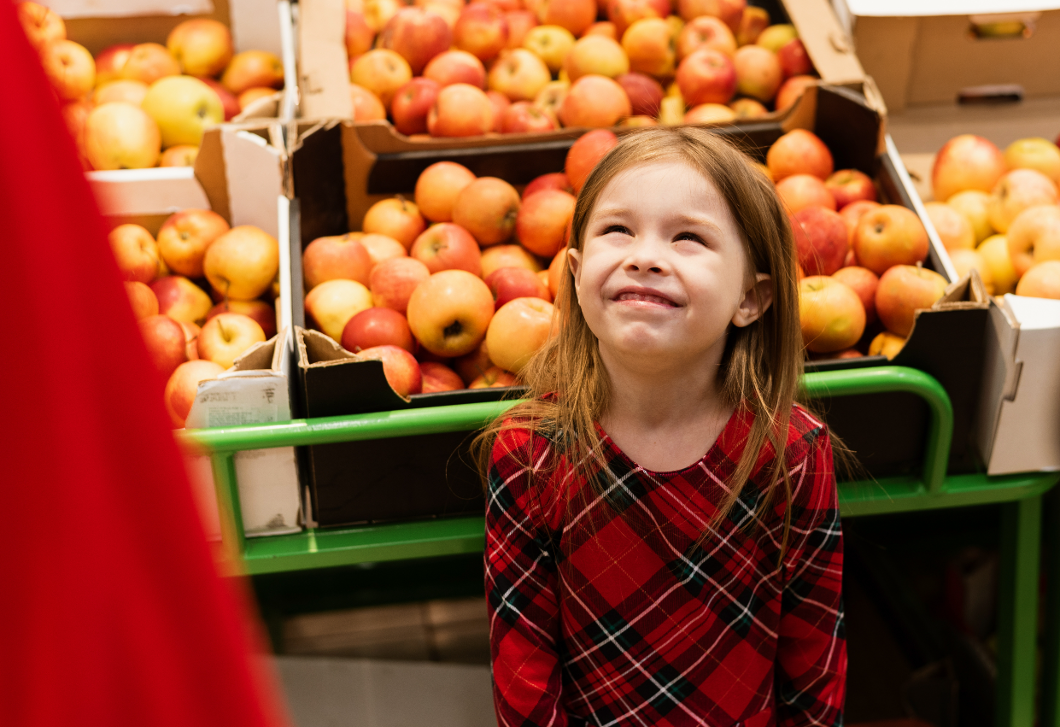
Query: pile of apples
[
  {"x": 859, "y": 261},
  {"x": 465, "y": 301},
  {"x": 448, "y": 69},
  {"x": 173, "y": 283},
  {"x": 997, "y": 212},
  {"x": 144, "y": 105}
]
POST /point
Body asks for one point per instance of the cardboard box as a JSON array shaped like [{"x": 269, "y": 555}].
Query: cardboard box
[
  {"x": 930, "y": 51},
  {"x": 323, "y": 66}
]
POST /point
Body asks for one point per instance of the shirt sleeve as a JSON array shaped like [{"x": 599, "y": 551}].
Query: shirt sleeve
[
  {"x": 811, "y": 659},
  {"x": 521, "y": 588}
]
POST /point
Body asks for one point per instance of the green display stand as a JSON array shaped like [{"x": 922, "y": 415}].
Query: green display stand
[{"x": 1020, "y": 495}]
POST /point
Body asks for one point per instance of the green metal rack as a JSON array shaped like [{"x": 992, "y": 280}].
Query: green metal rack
[{"x": 1020, "y": 496}]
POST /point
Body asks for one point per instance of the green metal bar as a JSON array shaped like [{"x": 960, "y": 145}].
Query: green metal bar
[
  {"x": 1021, "y": 527},
  {"x": 230, "y": 510},
  {"x": 887, "y": 379},
  {"x": 907, "y": 494},
  {"x": 1050, "y": 715}
]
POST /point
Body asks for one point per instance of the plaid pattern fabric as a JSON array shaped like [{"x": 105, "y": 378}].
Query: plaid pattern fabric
[{"x": 617, "y": 612}]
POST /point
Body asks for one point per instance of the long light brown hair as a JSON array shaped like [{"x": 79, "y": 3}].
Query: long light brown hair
[{"x": 569, "y": 388}]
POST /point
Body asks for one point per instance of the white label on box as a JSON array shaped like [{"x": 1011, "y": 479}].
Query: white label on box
[{"x": 127, "y": 8}]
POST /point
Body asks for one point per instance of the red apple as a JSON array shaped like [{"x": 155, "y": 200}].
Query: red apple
[
  {"x": 863, "y": 282},
  {"x": 229, "y": 102},
  {"x": 705, "y": 32},
  {"x": 460, "y": 110},
  {"x": 377, "y": 327},
  {"x": 255, "y": 69},
  {"x": 804, "y": 190},
  {"x": 366, "y": 105},
  {"x": 585, "y": 153},
  {"x": 142, "y": 300},
  {"x": 400, "y": 367},
  {"x": 164, "y": 339},
  {"x": 136, "y": 253},
  {"x": 181, "y": 299},
  {"x": 110, "y": 61},
  {"x": 903, "y": 290},
  {"x": 396, "y": 218},
  {"x": 604, "y": 27},
  {"x": 852, "y": 214},
  {"x": 412, "y": 103},
  {"x": 418, "y": 35},
  {"x": 820, "y": 240},
  {"x": 69, "y": 67},
  {"x": 487, "y": 208},
  {"x": 890, "y": 235},
  {"x": 438, "y": 187},
  {"x": 439, "y": 377},
  {"x": 791, "y": 91},
  {"x": 333, "y": 258},
  {"x": 574, "y": 15},
  {"x": 184, "y": 238},
  {"x": 149, "y": 62},
  {"x": 226, "y": 337},
  {"x": 392, "y": 282},
  {"x": 595, "y": 102},
  {"x": 40, "y": 24},
  {"x": 359, "y": 35},
  {"x": 191, "y": 339},
  {"x": 524, "y": 117},
  {"x": 850, "y": 185},
  {"x": 730, "y": 11},
  {"x": 482, "y": 30},
  {"x": 456, "y": 66},
  {"x": 507, "y": 284},
  {"x": 500, "y": 104},
  {"x": 543, "y": 222},
  {"x": 259, "y": 311},
  {"x": 555, "y": 180},
  {"x": 966, "y": 162},
  {"x": 758, "y": 73},
  {"x": 644, "y": 92},
  {"x": 753, "y": 21},
  {"x": 830, "y": 313},
  {"x": 794, "y": 60},
  {"x": 473, "y": 365},
  {"x": 504, "y": 256},
  {"x": 517, "y": 331},
  {"x": 494, "y": 378},
  {"x": 706, "y": 76},
  {"x": 446, "y": 246},
  {"x": 183, "y": 386},
  {"x": 450, "y": 312},
  {"x": 799, "y": 152},
  {"x": 520, "y": 23}
]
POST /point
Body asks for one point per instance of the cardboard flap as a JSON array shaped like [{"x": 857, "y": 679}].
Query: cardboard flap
[
  {"x": 968, "y": 292},
  {"x": 826, "y": 42},
  {"x": 260, "y": 356},
  {"x": 920, "y": 8},
  {"x": 137, "y": 192},
  {"x": 335, "y": 383}
]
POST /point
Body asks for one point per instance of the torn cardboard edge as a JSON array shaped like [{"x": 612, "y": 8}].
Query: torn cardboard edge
[{"x": 317, "y": 350}]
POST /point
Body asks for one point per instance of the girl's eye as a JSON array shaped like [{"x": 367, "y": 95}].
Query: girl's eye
[
  {"x": 620, "y": 229},
  {"x": 689, "y": 236}
]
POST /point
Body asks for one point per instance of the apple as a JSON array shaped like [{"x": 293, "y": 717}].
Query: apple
[
  {"x": 863, "y": 282},
  {"x": 604, "y": 27},
  {"x": 886, "y": 344},
  {"x": 730, "y": 11},
  {"x": 456, "y": 66},
  {"x": 437, "y": 188},
  {"x": 1041, "y": 281},
  {"x": 503, "y": 256},
  {"x": 412, "y": 103},
  {"x": 226, "y": 337},
  {"x": 439, "y": 377},
  {"x": 473, "y": 365},
  {"x": 359, "y": 35},
  {"x": 974, "y": 205},
  {"x": 544, "y": 221},
  {"x": 518, "y": 74},
  {"x": 952, "y": 228},
  {"x": 852, "y": 214},
  {"x": 1035, "y": 153},
  {"x": 794, "y": 60},
  {"x": 554, "y": 180},
  {"x": 184, "y": 238},
  {"x": 254, "y": 68},
  {"x": 120, "y": 91},
  {"x": 202, "y": 47},
  {"x": 242, "y": 263},
  {"x": 377, "y": 327},
  {"x": 396, "y": 218},
  {"x": 830, "y": 314},
  {"x": 136, "y": 253},
  {"x": 758, "y": 72},
  {"x": 753, "y": 21},
  {"x": 705, "y": 32},
  {"x": 183, "y": 386},
  {"x": 252, "y": 95},
  {"x": 392, "y": 282},
  {"x": 623, "y": 13},
  {"x": 499, "y": 104},
  {"x": 381, "y": 248},
  {"x": 142, "y": 300},
  {"x": 460, "y": 110},
  {"x": 1034, "y": 237},
  {"x": 257, "y": 310},
  {"x": 69, "y": 67},
  {"x": 550, "y": 43},
  {"x": 487, "y": 208},
  {"x": 181, "y": 299},
  {"x": 75, "y": 114},
  {"x": 1017, "y": 191},
  {"x": 482, "y": 30},
  {"x": 551, "y": 96},
  {"x": 775, "y": 37},
  {"x": 120, "y": 136},
  {"x": 710, "y": 113},
  {"x": 228, "y": 101},
  {"x": 447, "y": 246},
  {"x": 164, "y": 339},
  {"x": 556, "y": 270},
  {"x": 333, "y": 258},
  {"x": 850, "y": 185},
  {"x": 381, "y": 71},
  {"x": 804, "y": 190},
  {"x": 377, "y": 13},
  {"x": 574, "y": 15},
  {"x": 594, "y": 101},
  {"x": 596, "y": 55},
  {"x": 333, "y": 303},
  {"x": 903, "y": 290},
  {"x": 520, "y": 23},
  {"x": 799, "y": 152},
  {"x": 110, "y": 61},
  {"x": 890, "y": 235},
  {"x": 367, "y": 106},
  {"x": 40, "y": 24},
  {"x": 649, "y": 44},
  {"x": 994, "y": 251},
  {"x": 191, "y": 339},
  {"x": 586, "y": 153},
  {"x": 183, "y": 107},
  {"x": 493, "y": 378},
  {"x": 400, "y": 367},
  {"x": 644, "y": 92},
  {"x": 507, "y": 284},
  {"x": 524, "y": 117},
  {"x": 450, "y": 312},
  {"x": 706, "y": 76},
  {"x": 966, "y": 162},
  {"x": 417, "y": 35},
  {"x": 965, "y": 260},
  {"x": 517, "y": 331},
  {"x": 791, "y": 91},
  {"x": 149, "y": 62},
  {"x": 820, "y": 240}
]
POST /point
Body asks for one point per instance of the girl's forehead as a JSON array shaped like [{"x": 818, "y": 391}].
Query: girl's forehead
[{"x": 678, "y": 178}]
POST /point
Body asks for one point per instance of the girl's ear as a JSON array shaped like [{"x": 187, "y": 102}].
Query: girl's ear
[
  {"x": 757, "y": 298},
  {"x": 574, "y": 262}
]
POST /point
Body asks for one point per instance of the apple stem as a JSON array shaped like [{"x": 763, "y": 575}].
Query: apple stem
[{"x": 453, "y": 329}]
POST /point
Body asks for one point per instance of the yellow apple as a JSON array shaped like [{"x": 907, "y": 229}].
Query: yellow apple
[
  {"x": 517, "y": 331},
  {"x": 69, "y": 67},
  {"x": 1034, "y": 237},
  {"x": 974, "y": 204},
  {"x": 227, "y": 336},
  {"x": 1035, "y": 153},
  {"x": 994, "y": 251},
  {"x": 1041, "y": 281},
  {"x": 121, "y": 136},
  {"x": 967, "y": 260},
  {"x": 183, "y": 107},
  {"x": 242, "y": 263},
  {"x": 333, "y": 303},
  {"x": 202, "y": 47},
  {"x": 253, "y": 68}
]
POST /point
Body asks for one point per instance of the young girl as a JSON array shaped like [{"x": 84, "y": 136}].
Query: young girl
[{"x": 662, "y": 533}]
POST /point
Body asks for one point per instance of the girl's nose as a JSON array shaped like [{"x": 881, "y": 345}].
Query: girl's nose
[{"x": 648, "y": 254}]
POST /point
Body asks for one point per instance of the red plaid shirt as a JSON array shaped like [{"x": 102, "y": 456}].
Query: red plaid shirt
[{"x": 609, "y": 613}]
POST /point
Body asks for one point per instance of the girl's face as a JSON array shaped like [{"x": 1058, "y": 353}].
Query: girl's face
[{"x": 663, "y": 271}]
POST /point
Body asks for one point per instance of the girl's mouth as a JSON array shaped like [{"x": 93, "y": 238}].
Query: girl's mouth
[{"x": 629, "y": 296}]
